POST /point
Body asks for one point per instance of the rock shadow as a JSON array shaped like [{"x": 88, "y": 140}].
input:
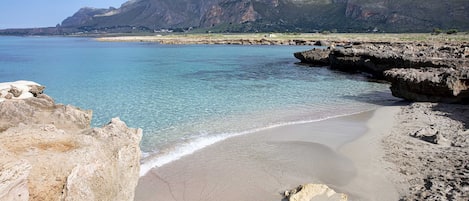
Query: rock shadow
[
  {"x": 383, "y": 98},
  {"x": 456, "y": 112}
]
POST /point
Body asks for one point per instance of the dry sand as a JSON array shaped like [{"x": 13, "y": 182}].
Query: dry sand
[
  {"x": 429, "y": 146},
  {"x": 262, "y": 165}
]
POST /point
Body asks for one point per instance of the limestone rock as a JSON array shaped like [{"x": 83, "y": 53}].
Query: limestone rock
[
  {"x": 36, "y": 90},
  {"x": 418, "y": 72},
  {"x": 316, "y": 56},
  {"x": 431, "y": 135},
  {"x": 9, "y": 95},
  {"x": 377, "y": 57},
  {"x": 15, "y": 91},
  {"x": 430, "y": 84},
  {"x": 314, "y": 192},
  {"x": 13, "y": 178},
  {"x": 42, "y": 110},
  {"x": 19, "y": 90},
  {"x": 57, "y": 156}
]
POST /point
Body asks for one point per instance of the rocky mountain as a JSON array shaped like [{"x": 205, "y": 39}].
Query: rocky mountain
[{"x": 276, "y": 15}]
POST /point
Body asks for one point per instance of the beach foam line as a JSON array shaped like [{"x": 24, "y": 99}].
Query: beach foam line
[{"x": 161, "y": 159}]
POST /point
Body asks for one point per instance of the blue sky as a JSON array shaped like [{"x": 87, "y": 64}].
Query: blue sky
[{"x": 43, "y": 13}]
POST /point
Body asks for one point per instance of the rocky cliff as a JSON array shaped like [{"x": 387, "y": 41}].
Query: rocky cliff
[
  {"x": 49, "y": 151},
  {"x": 275, "y": 15}
]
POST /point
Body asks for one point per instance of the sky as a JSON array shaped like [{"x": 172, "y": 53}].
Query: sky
[{"x": 44, "y": 13}]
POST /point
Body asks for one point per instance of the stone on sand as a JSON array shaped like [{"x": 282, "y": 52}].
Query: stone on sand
[{"x": 314, "y": 192}]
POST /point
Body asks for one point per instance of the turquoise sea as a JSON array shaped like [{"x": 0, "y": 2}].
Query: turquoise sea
[{"x": 186, "y": 97}]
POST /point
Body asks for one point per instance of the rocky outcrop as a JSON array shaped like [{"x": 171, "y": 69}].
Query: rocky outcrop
[
  {"x": 375, "y": 58},
  {"x": 309, "y": 192},
  {"x": 39, "y": 110},
  {"x": 316, "y": 56},
  {"x": 420, "y": 72},
  {"x": 53, "y": 154},
  {"x": 430, "y": 84}
]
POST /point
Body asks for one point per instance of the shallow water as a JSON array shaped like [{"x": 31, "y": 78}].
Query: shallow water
[{"x": 186, "y": 97}]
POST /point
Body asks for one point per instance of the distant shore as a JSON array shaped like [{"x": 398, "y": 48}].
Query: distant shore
[{"x": 285, "y": 39}]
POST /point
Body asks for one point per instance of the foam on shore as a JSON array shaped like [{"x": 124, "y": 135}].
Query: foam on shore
[{"x": 188, "y": 148}]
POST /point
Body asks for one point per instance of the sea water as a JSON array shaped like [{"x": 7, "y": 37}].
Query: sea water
[{"x": 186, "y": 97}]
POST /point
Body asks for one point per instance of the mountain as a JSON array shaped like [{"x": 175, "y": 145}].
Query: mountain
[
  {"x": 270, "y": 16},
  {"x": 277, "y": 15}
]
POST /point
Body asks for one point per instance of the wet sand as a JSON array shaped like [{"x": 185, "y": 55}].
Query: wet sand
[{"x": 343, "y": 153}]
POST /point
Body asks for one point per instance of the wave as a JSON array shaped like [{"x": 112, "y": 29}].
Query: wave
[{"x": 160, "y": 159}]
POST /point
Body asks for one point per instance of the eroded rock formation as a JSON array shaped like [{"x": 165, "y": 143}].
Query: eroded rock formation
[
  {"x": 430, "y": 84},
  {"x": 420, "y": 72},
  {"x": 51, "y": 153}
]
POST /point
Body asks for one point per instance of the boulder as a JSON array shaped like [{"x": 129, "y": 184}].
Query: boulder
[
  {"x": 53, "y": 154},
  {"x": 311, "y": 192}
]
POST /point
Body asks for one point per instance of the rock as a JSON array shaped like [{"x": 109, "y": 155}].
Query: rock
[
  {"x": 15, "y": 91},
  {"x": 322, "y": 43},
  {"x": 19, "y": 89},
  {"x": 61, "y": 156},
  {"x": 316, "y": 56},
  {"x": 13, "y": 178},
  {"x": 9, "y": 96},
  {"x": 42, "y": 110},
  {"x": 421, "y": 72},
  {"x": 377, "y": 57},
  {"x": 36, "y": 90},
  {"x": 310, "y": 192},
  {"x": 113, "y": 179},
  {"x": 430, "y": 84}
]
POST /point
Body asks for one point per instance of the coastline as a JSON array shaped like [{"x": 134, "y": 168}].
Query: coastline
[
  {"x": 284, "y": 38},
  {"x": 261, "y": 165},
  {"x": 418, "y": 153}
]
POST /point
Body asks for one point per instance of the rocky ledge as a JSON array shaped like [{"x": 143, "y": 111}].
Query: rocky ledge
[
  {"x": 418, "y": 72},
  {"x": 49, "y": 151}
]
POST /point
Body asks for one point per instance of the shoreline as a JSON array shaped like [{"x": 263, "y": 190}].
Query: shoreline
[
  {"x": 179, "y": 151},
  {"x": 371, "y": 174},
  {"x": 241, "y": 157},
  {"x": 285, "y": 39}
]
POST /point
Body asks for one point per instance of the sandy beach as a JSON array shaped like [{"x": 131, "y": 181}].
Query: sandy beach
[{"x": 345, "y": 153}]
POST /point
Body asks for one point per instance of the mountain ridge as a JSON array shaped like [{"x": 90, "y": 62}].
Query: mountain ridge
[
  {"x": 266, "y": 16},
  {"x": 284, "y": 15}
]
